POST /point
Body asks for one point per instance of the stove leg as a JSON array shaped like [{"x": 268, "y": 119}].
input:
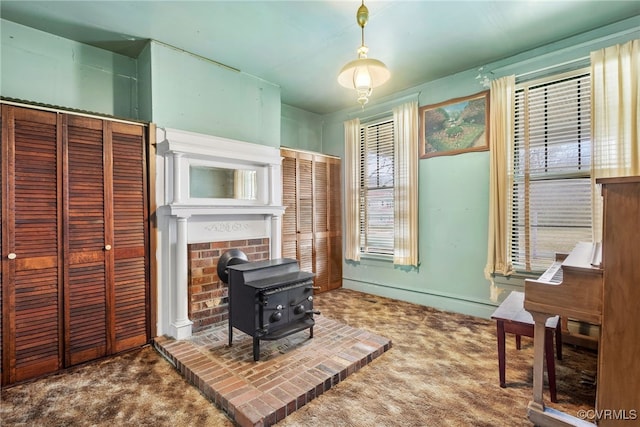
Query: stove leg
[
  {"x": 230, "y": 334},
  {"x": 256, "y": 349},
  {"x": 311, "y": 332}
]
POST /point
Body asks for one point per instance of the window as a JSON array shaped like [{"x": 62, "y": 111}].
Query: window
[
  {"x": 376, "y": 188},
  {"x": 551, "y": 166}
]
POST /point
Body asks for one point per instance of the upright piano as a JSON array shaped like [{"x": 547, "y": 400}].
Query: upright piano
[{"x": 598, "y": 284}]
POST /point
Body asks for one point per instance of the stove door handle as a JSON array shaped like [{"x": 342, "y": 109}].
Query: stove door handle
[{"x": 294, "y": 303}]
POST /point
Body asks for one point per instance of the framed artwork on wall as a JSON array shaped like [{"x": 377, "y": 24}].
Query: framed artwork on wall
[{"x": 455, "y": 126}]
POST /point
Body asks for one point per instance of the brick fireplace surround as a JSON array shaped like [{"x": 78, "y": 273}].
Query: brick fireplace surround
[{"x": 208, "y": 295}]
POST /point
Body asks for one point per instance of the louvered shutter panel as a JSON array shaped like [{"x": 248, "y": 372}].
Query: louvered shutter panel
[
  {"x": 131, "y": 279},
  {"x": 305, "y": 211},
  {"x": 305, "y": 195},
  {"x": 290, "y": 202},
  {"x": 334, "y": 197},
  {"x": 551, "y": 201},
  {"x": 31, "y": 227},
  {"x": 320, "y": 190},
  {"x": 311, "y": 225},
  {"x": 87, "y": 265},
  {"x": 320, "y": 219}
]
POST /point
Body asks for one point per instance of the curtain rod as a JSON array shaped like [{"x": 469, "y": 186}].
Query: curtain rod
[{"x": 555, "y": 66}]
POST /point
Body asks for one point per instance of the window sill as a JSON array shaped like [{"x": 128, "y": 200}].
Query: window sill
[{"x": 376, "y": 257}]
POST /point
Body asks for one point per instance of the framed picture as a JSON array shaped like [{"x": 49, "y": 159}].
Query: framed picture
[{"x": 456, "y": 126}]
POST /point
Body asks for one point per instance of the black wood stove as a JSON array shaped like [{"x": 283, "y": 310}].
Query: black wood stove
[{"x": 269, "y": 299}]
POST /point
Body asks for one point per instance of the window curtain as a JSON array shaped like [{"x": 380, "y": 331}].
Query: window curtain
[
  {"x": 501, "y": 113},
  {"x": 352, "y": 189},
  {"x": 615, "y": 118},
  {"x": 405, "y": 184}
]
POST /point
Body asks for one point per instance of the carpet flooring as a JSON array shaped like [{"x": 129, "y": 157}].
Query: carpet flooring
[{"x": 441, "y": 371}]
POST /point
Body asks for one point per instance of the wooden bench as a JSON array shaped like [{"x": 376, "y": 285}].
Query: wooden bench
[{"x": 511, "y": 317}]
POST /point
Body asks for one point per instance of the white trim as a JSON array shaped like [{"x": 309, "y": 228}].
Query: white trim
[{"x": 183, "y": 220}]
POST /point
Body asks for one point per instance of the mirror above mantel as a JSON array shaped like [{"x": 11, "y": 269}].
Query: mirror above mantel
[
  {"x": 203, "y": 170},
  {"x": 208, "y": 182}
]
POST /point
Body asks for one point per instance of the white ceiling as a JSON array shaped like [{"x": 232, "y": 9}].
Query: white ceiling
[{"x": 301, "y": 45}]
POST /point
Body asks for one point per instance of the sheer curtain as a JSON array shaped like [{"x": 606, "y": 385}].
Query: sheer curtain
[
  {"x": 352, "y": 189},
  {"x": 614, "y": 124},
  {"x": 501, "y": 113},
  {"x": 405, "y": 184}
]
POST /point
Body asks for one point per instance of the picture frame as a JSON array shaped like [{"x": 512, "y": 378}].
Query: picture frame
[{"x": 456, "y": 126}]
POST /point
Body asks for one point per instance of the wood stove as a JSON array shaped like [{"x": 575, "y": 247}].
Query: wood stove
[{"x": 269, "y": 299}]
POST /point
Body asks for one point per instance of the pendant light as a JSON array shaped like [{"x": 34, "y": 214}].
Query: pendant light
[{"x": 363, "y": 74}]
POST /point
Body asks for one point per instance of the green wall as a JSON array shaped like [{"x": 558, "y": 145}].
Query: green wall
[
  {"x": 454, "y": 191},
  {"x": 168, "y": 86},
  {"x": 145, "y": 95},
  {"x": 179, "y": 90},
  {"x": 40, "y": 67},
  {"x": 301, "y": 129},
  {"x": 194, "y": 94}
]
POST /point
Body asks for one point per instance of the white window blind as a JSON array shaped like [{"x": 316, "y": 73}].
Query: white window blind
[
  {"x": 551, "y": 200},
  {"x": 376, "y": 188}
]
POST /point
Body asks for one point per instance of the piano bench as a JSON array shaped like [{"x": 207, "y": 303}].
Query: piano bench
[{"x": 511, "y": 317}]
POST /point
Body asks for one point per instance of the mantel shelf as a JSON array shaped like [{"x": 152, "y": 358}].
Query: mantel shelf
[{"x": 186, "y": 210}]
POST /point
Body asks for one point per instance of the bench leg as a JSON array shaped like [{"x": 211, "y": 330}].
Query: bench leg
[
  {"x": 501, "y": 351},
  {"x": 559, "y": 341},
  {"x": 551, "y": 364}
]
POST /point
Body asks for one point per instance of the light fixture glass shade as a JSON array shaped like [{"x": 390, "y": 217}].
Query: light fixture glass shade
[{"x": 363, "y": 74}]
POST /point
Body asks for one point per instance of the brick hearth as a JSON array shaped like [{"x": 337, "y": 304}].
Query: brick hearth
[{"x": 291, "y": 372}]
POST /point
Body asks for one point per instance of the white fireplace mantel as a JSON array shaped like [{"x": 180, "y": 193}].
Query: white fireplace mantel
[
  {"x": 183, "y": 219},
  {"x": 187, "y": 210}
]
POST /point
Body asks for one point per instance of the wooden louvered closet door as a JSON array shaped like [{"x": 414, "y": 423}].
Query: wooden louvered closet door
[
  {"x": 334, "y": 201},
  {"x": 76, "y": 217},
  {"x": 131, "y": 308},
  {"x": 320, "y": 222},
  {"x": 305, "y": 211},
  {"x": 311, "y": 224},
  {"x": 31, "y": 249},
  {"x": 87, "y": 262},
  {"x": 106, "y": 239},
  {"x": 290, "y": 202}
]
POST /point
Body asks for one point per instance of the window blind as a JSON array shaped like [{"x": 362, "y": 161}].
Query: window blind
[
  {"x": 376, "y": 188},
  {"x": 551, "y": 198}
]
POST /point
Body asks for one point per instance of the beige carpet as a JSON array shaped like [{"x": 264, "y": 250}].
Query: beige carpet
[{"x": 442, "y": 370}]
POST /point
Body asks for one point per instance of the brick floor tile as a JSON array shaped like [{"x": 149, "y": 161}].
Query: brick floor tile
[{"x": 290, "y": 373}]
